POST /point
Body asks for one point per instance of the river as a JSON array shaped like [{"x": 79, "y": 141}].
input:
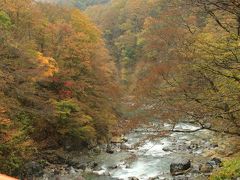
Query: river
[
  {"x": 150, "y": 149},
  {"x": 148, "y": 155}
]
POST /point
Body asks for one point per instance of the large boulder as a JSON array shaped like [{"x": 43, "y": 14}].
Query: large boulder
[
  {"x": 215, "y": 162},
  {"x": 109, "y": 149},
  {"x": 180, "y": 166},
  {"x": 169, "y": 149}
]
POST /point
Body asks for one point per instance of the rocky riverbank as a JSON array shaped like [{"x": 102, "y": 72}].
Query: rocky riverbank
[{"x": 149, "y": 152}]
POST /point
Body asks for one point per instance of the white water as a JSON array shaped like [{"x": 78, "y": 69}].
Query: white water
[
  {"x": 152, "y": 154},
  {"x": 148, "y": 164}
]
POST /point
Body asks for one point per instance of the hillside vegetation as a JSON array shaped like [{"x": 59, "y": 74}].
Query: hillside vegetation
[
  {"x": 180, "y": 57},
  {"x": 57, "y": 81},
  {"x": 62, "y": 75}
]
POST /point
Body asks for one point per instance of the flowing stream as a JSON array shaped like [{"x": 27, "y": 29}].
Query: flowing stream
[
  {"x": 149, "y": 150},
  {"x": 148, "y": 155}
]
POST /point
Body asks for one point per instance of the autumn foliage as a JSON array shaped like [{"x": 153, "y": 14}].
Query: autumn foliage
[
  {"x": 57, "y": 81},
  {"x": 180, "y": 58}
]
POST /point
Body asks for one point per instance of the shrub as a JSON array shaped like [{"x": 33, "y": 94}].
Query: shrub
[
  {"x": 85, "y": 135},
  {"x": 230, "y": 170},
  {"x": 5, "y": 20},
  {"x": 64, "y": 109}
]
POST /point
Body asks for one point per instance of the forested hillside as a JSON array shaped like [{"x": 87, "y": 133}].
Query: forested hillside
[
  {"x": 74, "y": 74},
  {"x": 57, "y": 81},
  {"x": 122, "y": 23},
  {"x": 181, "y": 56}
]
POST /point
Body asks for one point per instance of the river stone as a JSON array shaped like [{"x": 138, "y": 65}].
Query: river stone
[
  {"x": 72, "y": 170},
  {"x": 182, "y": 177},
  {"x": 127, "y": 166},
  {"x": 88, "y": 170},
  {"x": 124, "y": 139},
  {"x": 102, "y": 172},
  {"x": 124, "y": 146},
  {"x": 215, "y": 162},
  {"x": 109, "y": 149},
  {"x": 182, "y": 147},
  {"x": 169, "y": 148},
  {"x": 75, "y": 163},
  {"x": 133, "y": 178},
  {"x": 97, "y": 150},
  {"x": 94, "y": 165},
  {"x": 196, "y": 168},
  {"x": 207, "y": 125},
  {"x": 113, "y": 167},
  {"x": 180, "y": 166},
  {"x": 82, "y": 166},
  {"x": 206, "y": 168}
]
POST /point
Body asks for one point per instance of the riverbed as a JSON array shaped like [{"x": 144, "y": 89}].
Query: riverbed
[
  {"x": 149, "y": 154},
  {"x": 148, "y": 151}
]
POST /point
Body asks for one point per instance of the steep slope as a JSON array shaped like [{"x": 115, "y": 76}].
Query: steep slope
[{"x": 57, "y": 82}]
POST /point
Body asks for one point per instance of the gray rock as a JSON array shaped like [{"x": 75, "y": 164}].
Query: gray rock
[
  {"x": 76, "y": 164},
  {"x": 207, "y": 125},
  {"x": 113, "y": 167},
  {"x": 93, "y": 165},
  {"x": 124, "y": 147},
  {"x": 109, "y": 149},
  {"x": 127, "y": 166},
  {"x": 195, "y": 169},
  {"x": 215, "y": 162},
  {"x": 88, "y": 170},
  {"x": 72, "y": 170},
  {"x": 169, "y": 149},
  {"x": 182, "y": 147},
  {"x": 32, "y": 169},
  {"x": 180, "y": 166},
  {"x": 214, "y": 145},
  {"x": 124, "y": 139},
  {"x": 102, "y": 172},
  {"x": 182, "y": 177},
  {"x": 82, "y": 166},
  {"x": 97, "y": 150}
]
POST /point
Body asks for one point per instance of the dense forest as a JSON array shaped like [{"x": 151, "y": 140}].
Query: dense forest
[
  {"x": 184, "y": 63},
  {"x": 68, "y": 66},
  {"x": 57, "y": 81}
]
